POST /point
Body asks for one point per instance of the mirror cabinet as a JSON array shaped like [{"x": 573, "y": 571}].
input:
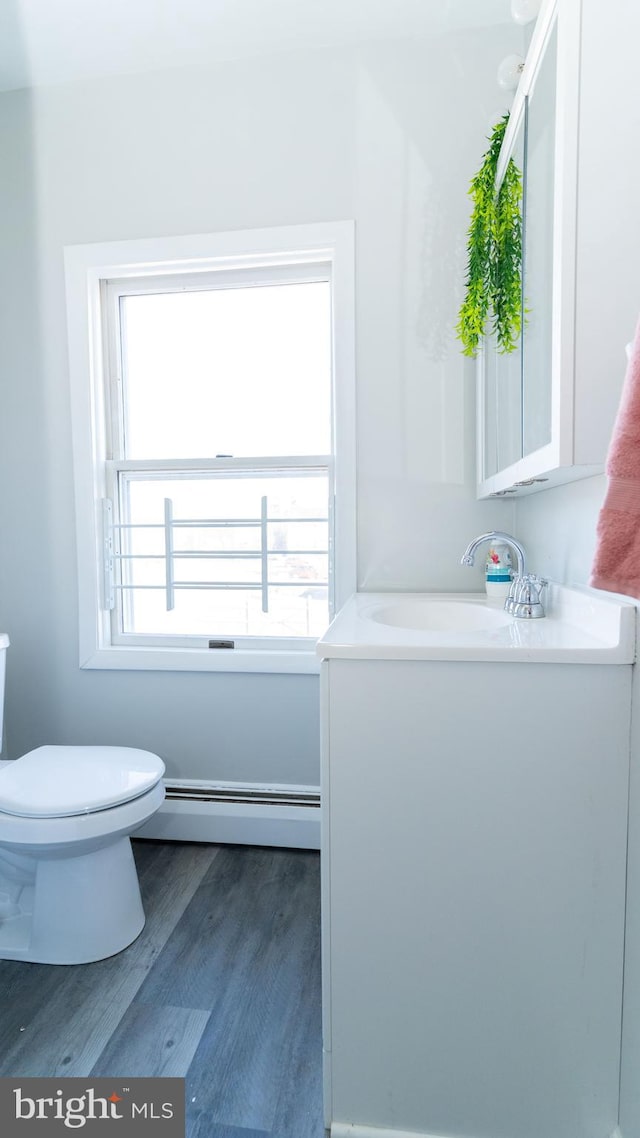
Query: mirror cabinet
[{"x": 545, "y": 414}]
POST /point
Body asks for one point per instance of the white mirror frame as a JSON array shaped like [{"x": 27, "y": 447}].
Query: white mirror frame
[{"x": 558, "y": 454}]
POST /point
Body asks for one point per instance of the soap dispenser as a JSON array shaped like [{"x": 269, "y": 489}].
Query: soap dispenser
[{"x": 498, "y": 572}]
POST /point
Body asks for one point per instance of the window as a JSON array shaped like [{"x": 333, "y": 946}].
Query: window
[
  {"x": 213, "y": 434},
  {"x": 219, "y": 468}
]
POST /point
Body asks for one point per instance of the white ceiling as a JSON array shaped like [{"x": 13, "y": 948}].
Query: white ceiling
[{"x": 57, "y": 41}]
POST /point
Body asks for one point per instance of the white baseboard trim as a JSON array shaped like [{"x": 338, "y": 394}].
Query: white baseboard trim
[
  {"x": 238, "y": 823},
  {"x": 352, "y": 1130}
]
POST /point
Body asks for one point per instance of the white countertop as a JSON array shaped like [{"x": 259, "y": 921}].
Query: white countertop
[{"x": 582, "y": 626}]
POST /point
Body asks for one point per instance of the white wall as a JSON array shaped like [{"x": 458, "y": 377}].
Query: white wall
[
  {"x": 558, "y": 528},
  {"x": 389, "y": 136}
]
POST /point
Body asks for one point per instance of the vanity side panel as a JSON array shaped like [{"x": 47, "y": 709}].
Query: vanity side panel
[
  {"x": 629, "y": 1081},
  {"x": 477, "y": 863},
  {"x": 325, "y": 879}
]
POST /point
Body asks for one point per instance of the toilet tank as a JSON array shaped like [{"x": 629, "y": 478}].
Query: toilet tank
[{"x": 4, "y": 644}]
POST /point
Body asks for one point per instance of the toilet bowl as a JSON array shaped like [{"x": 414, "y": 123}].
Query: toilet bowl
[{"x": 69, "y": 890}]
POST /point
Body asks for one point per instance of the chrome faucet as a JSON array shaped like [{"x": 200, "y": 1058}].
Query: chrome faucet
[
  {"x": 524, "y": 600},
  {"x": 469, "y": 555}
]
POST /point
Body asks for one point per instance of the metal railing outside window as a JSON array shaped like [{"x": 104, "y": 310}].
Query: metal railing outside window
[{"x": 114, "y": 575}]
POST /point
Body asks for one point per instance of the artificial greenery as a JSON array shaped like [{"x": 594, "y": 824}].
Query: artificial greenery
[{"x": 494, "y": 247}]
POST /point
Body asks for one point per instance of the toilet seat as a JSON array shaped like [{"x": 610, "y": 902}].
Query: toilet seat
[
  {"x": 19, "y": 832},
  {"x": 64, "y": 782}
]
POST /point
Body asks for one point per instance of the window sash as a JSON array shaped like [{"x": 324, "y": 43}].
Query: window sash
[
  {"x": 115, "y": 588},
  {"x": 114, "y": 290},
  {"x": 174, "y": 466}
]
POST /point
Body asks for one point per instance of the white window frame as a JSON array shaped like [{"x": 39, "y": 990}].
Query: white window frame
[{"x": 86, "y": 268}]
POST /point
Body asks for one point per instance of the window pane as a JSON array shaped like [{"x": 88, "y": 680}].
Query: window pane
[
  {"x": 217, "y": 533},
  {"x": 233, "y": 614},
  {"x": 232, "y": 371}
]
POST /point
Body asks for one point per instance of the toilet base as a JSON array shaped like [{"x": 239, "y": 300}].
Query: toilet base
[{"x": 78, "y": 910}]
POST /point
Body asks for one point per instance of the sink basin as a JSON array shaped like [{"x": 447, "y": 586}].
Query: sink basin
[
  {"x": 426, "y": 615},
  {"x": 582, "y": 626}
]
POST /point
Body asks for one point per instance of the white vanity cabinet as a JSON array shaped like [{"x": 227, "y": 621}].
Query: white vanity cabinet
[
  {"x": 473, "y": 892},
  {"x": 545, "y": 415}
]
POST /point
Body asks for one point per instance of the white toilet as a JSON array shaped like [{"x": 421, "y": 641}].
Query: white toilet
[{"x": 69, "y": 889}]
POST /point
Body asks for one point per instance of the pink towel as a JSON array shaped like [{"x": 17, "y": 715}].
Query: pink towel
[{"x": 616, "y": 565}]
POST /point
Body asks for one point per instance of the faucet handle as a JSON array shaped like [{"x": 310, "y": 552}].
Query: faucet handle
[
  {"x": 524, "y": 601},
  {"x": 518, "y": 584}
]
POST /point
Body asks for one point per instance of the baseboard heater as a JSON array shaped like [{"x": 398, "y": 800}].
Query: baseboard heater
[
  {"x": 263, "y": 814},
  {"x": 246, "y": 795}
]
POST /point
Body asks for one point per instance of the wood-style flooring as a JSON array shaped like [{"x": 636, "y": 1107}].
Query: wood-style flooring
[{"x": 221, "y": 987}]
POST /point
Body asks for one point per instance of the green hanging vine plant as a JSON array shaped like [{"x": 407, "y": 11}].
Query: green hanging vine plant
[{"x": 494, "y": 248}]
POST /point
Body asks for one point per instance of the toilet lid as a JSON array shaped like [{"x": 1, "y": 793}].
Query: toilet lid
[{"x": 58, "y": 782}]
